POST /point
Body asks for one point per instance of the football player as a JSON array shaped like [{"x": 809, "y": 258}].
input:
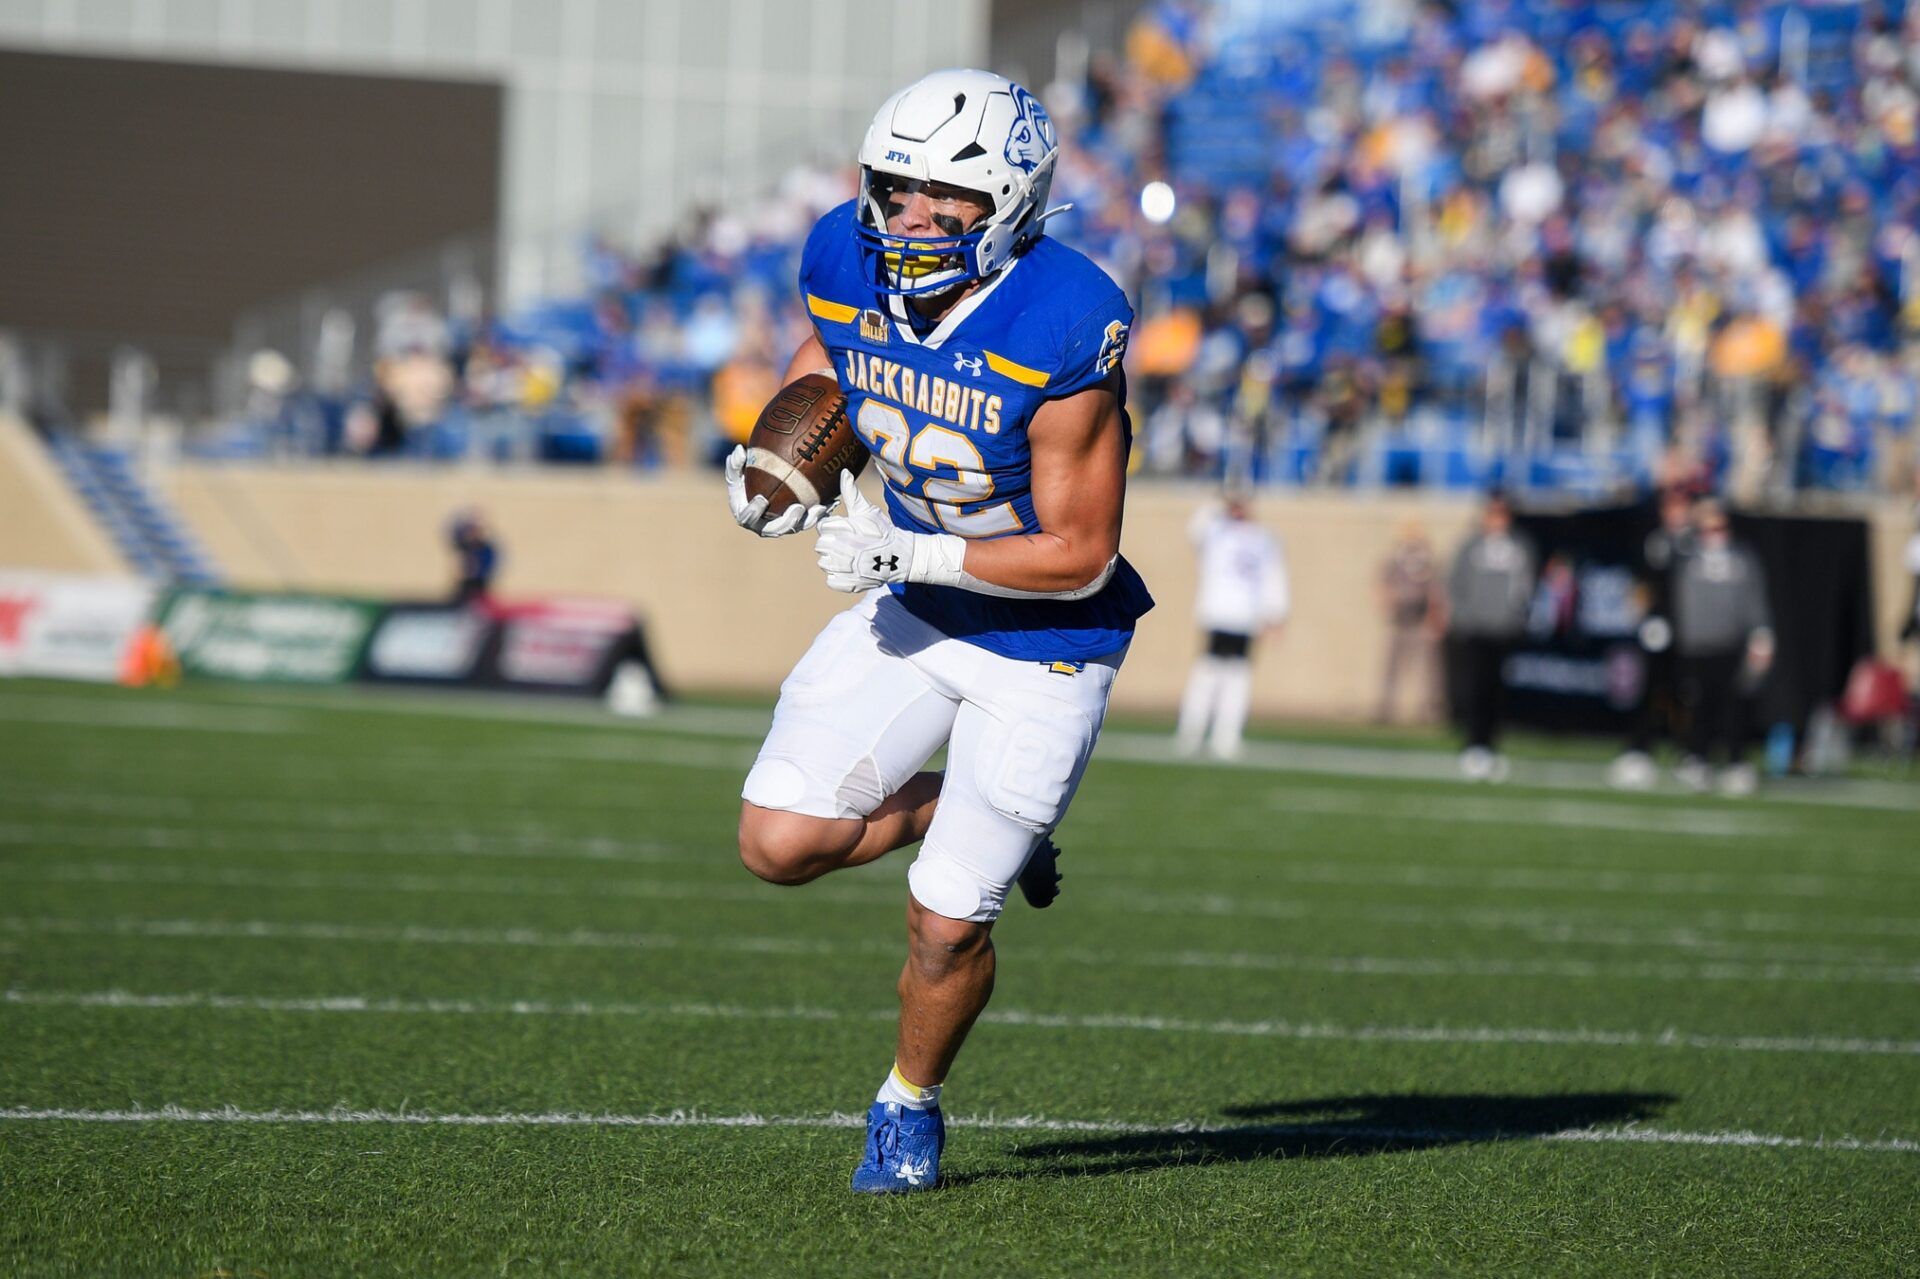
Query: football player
[{"x": 981, "y": 361}]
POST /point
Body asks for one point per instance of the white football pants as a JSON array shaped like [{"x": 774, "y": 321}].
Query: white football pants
[
  {"x": 880, "y": 691},
  {"x": 1218, "y": 693}
]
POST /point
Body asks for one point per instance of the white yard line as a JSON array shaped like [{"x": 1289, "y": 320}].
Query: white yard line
[
  {"x": 271, "y": 930},
  {"x": 1632, "y": 1134},
  {"x": 1579, "y": 880},
  {"x": 1553, "y": 969},
  {"x": 425, "y": 843},
  {"x": 712, "y": 721},
  {"x": 746, "y": 723},
  {"x": 1481, "y": 878},
  {"x": 1544, "y": 922},
  {"x": 1402, "y": 764},
  {"x": 1541, "y": 927},
  {"x": 90, "y": 712},
  {"x": 1521, "y": 810},
  {"x": 437, "y": 885},
  {"x": 422, "y": 811},
  {"x": 638, "y": 748},
  {"x": 300, "y": 767},
  {"x": 1670, "y": 1038},
  {"x": 226, "y": 824},
  {"x": 1905, "y": 974}
]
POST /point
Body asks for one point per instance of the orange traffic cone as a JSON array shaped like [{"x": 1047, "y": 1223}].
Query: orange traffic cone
[{"x": 149, "y": 659}]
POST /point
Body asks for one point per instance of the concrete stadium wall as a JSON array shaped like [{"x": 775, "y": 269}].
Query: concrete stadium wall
[
  {"x": 619, "y": 115},
  {"x": 728, "y": 611},
  {"x": 42, "y": 523}
]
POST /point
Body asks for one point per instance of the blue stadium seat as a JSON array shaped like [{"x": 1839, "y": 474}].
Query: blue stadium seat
[{"x": 149, "y": 535}]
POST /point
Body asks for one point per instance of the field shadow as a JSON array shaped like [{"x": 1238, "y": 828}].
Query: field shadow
[{"x": 1337, "y": 1127}]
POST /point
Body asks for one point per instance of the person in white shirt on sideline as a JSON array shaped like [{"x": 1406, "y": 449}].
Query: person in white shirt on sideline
[{"x": 1243, "y": 595}]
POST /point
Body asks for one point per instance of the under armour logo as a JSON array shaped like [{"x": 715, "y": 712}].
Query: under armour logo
[
  {"x": 886, "y": 563},
  {"x": 961, "y": 364}
]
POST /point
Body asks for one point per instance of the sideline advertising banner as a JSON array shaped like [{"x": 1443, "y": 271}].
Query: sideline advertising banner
[
  {"x": 307, "y": 639},
  {"x": 66, "y": 626},
  {"x": 429, "y": 643},
  {"x": 562, "y": 645}
]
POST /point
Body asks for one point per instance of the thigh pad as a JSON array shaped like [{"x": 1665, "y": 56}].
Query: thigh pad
[{"x": 1027, "y": 767}]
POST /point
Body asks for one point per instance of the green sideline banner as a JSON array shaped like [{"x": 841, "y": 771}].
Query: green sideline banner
[{"x": 307, "y": 639}]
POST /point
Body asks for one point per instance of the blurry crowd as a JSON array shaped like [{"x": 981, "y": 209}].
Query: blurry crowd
[
  {"x": 1682, "y": 234},
  {"x": 1488, "y": 241}
]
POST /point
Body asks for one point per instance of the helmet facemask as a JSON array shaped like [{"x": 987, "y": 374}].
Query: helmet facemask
[{"x": 924, "y": 263}]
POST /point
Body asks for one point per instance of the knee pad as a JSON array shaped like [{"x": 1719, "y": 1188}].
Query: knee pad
[
  {"x": 945, "y": 887},
  {"x": 1026, "y": 769},
  {"x": 775, "y": 783}
]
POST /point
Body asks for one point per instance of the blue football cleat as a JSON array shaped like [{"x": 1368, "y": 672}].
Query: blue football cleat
[
  {"x": 903, "y": 1150},
  {"x": 1040, "y": 879}
]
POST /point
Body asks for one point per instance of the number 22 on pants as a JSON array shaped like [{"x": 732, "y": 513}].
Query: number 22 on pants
[{"x": 953, "y": 503}]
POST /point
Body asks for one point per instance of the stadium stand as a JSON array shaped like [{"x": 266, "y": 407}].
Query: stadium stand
[
  {"x": 46, "y": 525},
  {"x": 150, "y": 535},
  {"x": 1579, "y": 246}
]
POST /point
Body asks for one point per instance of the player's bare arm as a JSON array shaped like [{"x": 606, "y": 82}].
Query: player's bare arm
[
  {"x": 809, "y": 357},
  {"x": 1079, "y": 488}
]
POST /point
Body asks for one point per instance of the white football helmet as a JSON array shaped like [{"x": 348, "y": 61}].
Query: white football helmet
[{"x": 969, "y": 129}]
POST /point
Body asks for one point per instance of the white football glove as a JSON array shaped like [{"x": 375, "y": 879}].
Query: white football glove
[
  {"x": 753, "y": 514},
  {"x": 862, "y": 549}
]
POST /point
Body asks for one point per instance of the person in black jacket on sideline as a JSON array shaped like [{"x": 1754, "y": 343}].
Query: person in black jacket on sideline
[
  {"x": 1488, "y": 595},
  {"x": 1723, "y": 637}
]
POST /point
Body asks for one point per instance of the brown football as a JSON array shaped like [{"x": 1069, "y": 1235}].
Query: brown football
[{"x": 801, "y": 443}]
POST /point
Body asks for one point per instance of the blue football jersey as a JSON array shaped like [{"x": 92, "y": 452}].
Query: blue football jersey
[{"x": 945, "y": 413}]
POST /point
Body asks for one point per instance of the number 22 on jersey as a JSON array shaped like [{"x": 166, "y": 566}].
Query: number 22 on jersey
[{"x": 913, "y": 461}]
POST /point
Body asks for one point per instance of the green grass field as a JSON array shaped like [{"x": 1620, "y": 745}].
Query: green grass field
[{"x": 317, "y": 984}]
